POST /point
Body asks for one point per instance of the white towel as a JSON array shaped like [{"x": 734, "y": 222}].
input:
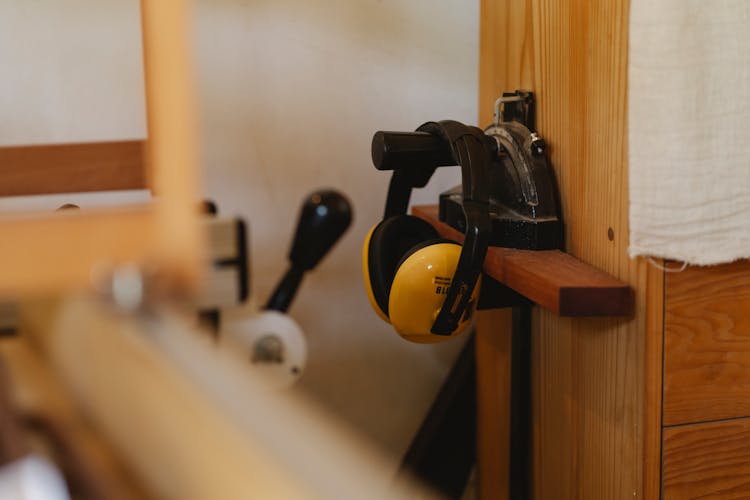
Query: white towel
[{"x": 689, "y": 129}]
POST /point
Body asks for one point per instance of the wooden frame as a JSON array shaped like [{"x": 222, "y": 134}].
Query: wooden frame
[
  {"x": 71, "y": 168},
  {"x": 58, "y": 252}
]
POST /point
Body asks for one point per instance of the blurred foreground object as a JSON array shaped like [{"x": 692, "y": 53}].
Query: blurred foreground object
[
  {"x": 129, "y": 391},
  {"x": 190, "y": 421},
  {"x": 272, "y": 340},
  {"x": 32, "y": 478}
]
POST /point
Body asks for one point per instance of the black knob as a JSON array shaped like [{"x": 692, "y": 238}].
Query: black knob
[
  {"x": 405, "y": 150},
  {"x": 325, "y": 216}
]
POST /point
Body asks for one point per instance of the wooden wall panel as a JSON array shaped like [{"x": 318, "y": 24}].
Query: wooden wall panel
[
  {"x": 707, "y": 460},
  {"x": 707, "y": 344},
  {"x": 596, "y": 381},
  {"x": 493, "y": 345}
]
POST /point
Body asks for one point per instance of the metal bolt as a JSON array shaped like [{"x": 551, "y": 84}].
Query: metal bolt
[
  {"x": 537, "y": 144},
  {"x": 268, "y": 349}
]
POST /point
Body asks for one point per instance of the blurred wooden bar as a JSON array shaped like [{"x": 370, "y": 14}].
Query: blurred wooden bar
[
  {"x": 71, "y": 168},
  {"x": 172, "y": 147},
  {"x": 57, "y": 253},
  {"x": 191, "y": 421}
]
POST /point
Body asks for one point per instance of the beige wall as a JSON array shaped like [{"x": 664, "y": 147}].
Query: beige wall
[
  {"x": 291, "y": 92},
  {"x": 71, "y": 71}
]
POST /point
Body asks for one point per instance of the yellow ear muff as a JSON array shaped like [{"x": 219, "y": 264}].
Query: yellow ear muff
[{"x": 419, "y": 289}]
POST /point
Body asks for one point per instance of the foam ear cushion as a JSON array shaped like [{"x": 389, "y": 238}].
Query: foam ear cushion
[
  {"x": 419, "y": 246},
  {"x": 390, "y": 240}
]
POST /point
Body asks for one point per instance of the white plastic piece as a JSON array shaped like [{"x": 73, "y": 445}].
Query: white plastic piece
[
  {"x": 32, "y": 478},
  {"x": 273, "y": 344}
]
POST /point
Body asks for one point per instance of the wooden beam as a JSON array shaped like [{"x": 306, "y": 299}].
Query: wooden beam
[
  {"x": 596, "y": 381},
  {"x": 60, "y": 251},
  {"x": 493, "y": 352},
  {"x": 71, "y": 168},
  {"x": 551, "y": 278},
  {"x": 47, "y": 254},
  {"x": 172, "y": 147},
  {"x": 505, "y": 64}
]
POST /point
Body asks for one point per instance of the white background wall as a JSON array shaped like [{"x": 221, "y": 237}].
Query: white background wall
[
  {"x": 291, "y": 92},
  {"x": 71, "y": 71}
]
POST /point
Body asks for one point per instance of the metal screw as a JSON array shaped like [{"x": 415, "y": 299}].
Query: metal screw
[
  {"x": 537, "y": 144},
  {"x": 268, "y": 349}
]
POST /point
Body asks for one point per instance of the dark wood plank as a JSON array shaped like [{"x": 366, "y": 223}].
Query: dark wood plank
[
  {"x": 709, "y": 460},
  {"x": 71, "y": 168},
  {"x": 707, "y": 344},
  {"x": 551, "y": 278}
]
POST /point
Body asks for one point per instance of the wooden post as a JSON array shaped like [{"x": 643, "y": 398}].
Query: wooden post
[
  {"x": 172, "y": 150},
  {"x": 595, "y": 381}
]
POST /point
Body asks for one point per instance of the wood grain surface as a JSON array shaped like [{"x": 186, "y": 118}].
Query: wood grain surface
[
  {"x": 493, "y": 351},
  {"x": 596, "y": 381},
  {"x": 551, "y": 278},
  {"x": 707, "y": 344},
  {"x": 709, "y": 460},
  {"x": 71, "y": 168}
]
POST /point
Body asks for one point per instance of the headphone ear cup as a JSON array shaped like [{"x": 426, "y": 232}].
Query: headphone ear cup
[
  {"x": 383, "y": 249},
  {"x": 419, "y": 288}
]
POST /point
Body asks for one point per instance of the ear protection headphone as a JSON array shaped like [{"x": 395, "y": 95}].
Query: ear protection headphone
[{"x": 425, "y": 286}]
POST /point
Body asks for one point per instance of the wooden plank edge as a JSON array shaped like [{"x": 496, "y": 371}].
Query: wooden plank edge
[{"x": 593, "y": 301}]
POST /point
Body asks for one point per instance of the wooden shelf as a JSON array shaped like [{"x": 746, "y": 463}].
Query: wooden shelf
[
  {"x": 71, "y": 168},
  {"x": 551, "y": 278}
]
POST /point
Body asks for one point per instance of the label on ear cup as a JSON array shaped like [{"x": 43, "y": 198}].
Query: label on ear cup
[{"x": 442, "y": 284}]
